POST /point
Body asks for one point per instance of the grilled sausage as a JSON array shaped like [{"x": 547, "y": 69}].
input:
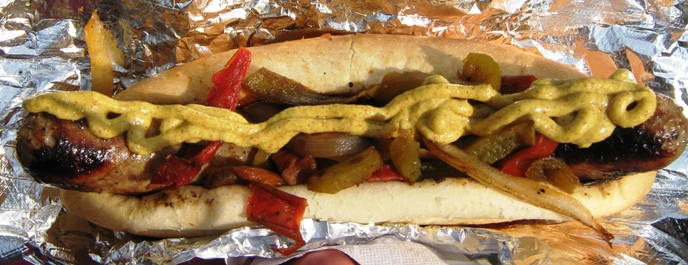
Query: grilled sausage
[{"x": 649, "y": 146}]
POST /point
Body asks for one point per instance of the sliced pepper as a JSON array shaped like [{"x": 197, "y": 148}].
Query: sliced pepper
[
  {"x": 405, "y": 155},
  {"x": 518, "y": 163},
  {"x": 396, "y": 83},
  {"x": 481, "y": 68},
  {"x": 347, "y": 173},
  {"x": 273, "y": 87},
  {"x": 438, "y": 169},
  {"x": 177, "y": 171},
  {"x": 516, "y": 83},
  {"x": 386, "y": 173},
  {"x": 104, "y": 53},
  {"x": 493, "y": 148},
  {"x": 227, "y": 82},
  {"x": 279, "y": 211},
  {"x": 260, "y": 175}
]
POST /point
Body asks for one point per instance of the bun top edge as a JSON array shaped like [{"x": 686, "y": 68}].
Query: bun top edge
[{"x": 344, "y": 63}]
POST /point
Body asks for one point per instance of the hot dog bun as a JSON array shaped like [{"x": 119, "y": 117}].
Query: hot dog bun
[
  {"x": 343, "y": 63},
  {"x": 195, "y": 211},
  {"x": 336, "y": 64}
]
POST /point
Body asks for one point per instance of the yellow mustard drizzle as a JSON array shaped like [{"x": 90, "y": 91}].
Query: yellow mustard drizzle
[{"x": 582, "y": 112}]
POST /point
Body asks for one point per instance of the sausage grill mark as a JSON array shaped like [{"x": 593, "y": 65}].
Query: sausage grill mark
[
  {"x": 70, "y": 154},
  {"x": 64, "y": 153},
  {"x": 649, "y": 146}
]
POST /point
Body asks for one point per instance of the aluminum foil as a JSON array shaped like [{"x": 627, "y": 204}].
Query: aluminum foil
[{"x": 42, "y": 48}]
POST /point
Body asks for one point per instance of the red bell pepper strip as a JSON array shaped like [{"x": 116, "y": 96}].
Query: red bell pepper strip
[
  {"x": 226, "y": 92},
  {"x": 177, "y": 171},
  {"x": 279, "y": 211},
  {"x": 518, "y": 163},
  {"x": 385, "y": 173},
  {"x": 516, "y": 83}
]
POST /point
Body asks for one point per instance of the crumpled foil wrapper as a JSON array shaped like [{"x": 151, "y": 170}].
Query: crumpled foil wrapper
[{"x": 42, "y": 48}]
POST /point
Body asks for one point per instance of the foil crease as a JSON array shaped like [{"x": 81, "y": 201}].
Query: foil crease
[{"x": 42, "y": 48}]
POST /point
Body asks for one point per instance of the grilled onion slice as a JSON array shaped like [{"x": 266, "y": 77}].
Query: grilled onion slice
[
  {"x": 328, "y": 145},
  {"x": 530, "y": 191}
]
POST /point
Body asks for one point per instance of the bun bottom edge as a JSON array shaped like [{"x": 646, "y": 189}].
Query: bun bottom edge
[{"x": 195, "y": 211}]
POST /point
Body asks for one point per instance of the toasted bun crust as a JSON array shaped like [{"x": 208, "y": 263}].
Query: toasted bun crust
[{"x": 335, "y": 64}]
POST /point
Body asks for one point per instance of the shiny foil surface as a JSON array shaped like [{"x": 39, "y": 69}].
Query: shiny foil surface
[{"x": 42, "y": 48}]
